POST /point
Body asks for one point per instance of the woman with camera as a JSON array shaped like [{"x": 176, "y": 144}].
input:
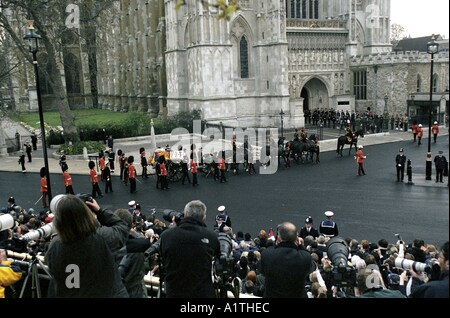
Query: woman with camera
[{"x": 81, "y": 257}]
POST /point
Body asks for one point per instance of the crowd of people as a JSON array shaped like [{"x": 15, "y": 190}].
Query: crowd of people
[{"x": 289, "y": 262}]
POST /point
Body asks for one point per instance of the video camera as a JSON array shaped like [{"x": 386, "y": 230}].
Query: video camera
[
  {"x": 343, "y": 274},
  {"x": 171, "y": 215},
  {"x": 225, "y": 263}
]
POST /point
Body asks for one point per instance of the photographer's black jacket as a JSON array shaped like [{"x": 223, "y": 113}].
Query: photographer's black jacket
[
  {"x": 285, "y": 267},
  {"x": 187, "y": 252}
]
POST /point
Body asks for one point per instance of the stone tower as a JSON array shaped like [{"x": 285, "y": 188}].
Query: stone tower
[{"x": 234, "y": 71}]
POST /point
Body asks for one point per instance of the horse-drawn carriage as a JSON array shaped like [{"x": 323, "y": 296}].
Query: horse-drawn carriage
[{"x": 172, "y": 160}]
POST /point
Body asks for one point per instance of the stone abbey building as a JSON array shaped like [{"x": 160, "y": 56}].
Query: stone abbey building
[{"x": 272, "y": 55}]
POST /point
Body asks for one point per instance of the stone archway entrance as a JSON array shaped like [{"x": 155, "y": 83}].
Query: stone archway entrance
[{"x": 315, "y": 94}]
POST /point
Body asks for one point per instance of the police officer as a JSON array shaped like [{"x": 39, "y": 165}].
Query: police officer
[
  {"x": 308, "y": 229},
  {"x": 400, "y": 161},
  {"x": 329, "y": 227},
  {"x": 440, "y": 163}
]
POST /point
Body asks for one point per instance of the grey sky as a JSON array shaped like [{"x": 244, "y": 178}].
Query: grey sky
[{"x": 421, "y": 18}]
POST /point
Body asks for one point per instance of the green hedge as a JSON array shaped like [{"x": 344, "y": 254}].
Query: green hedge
[
  {"x": 136, "y": 124},
  {"x": 77, "y": 148}
]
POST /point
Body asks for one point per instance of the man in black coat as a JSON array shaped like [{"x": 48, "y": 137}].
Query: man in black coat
[
  {"x": 187, "y": 252},
  {"x": 308, "y": 229},
  {"x": 400, "y": 161},
  {"x": 286, "y": 265},
  {"x": 440, "y": 163}
]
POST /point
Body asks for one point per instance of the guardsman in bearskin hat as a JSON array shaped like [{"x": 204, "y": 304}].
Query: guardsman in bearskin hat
[
  {"x": 67, "y": 180},
  {"x": 63, "y": 163},
  {"x": 144, "y": 163},
  {"x": 94, "y": 180},
  {"x": 163, "y": 173},
  {"x": 132, "y": 174},
  {"x": 194, "y": 170}
]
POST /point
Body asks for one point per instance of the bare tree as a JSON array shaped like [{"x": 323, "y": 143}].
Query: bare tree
[
  {"x": 398, "y": 32},
  {"x": 49, "y": 18}
]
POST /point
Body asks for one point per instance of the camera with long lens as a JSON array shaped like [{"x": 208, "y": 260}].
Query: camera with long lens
[
  {"x": 6, "y": 222},
  {"x": 20, "y": 244},
  {"x": 418, "y": 267},
  {"x": 224, "y": 266},
  {"x": 171, "y": 215},
  {"x": 343, "y": 275}
]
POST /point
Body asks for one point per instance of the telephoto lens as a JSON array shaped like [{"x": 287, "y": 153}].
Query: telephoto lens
[
  {"x": 6, "y": 221},
  {"x": 41, "y": 232},
  {"x": 407, "y": 263}
]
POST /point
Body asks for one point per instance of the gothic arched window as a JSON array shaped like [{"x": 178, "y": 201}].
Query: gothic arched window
[
  {"x": 243, "y": 57},
  {"x": 72, "y": 73},
  {"x": 435, "y": 83},
  {"x": 419, "y": 83}
]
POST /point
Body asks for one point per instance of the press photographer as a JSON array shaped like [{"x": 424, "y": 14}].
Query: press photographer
[
  {"x": 87, "y": 239},
  {"x": 26, "y": 243},
  {"x": 224, "y": 275},
  {"x": 286, "y": 265},
  {"x": 421, "y": 286},
  {"x": 187, "y": 252}
]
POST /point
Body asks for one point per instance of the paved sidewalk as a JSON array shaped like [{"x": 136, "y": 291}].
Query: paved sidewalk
[{"x": 131, "y": 147}]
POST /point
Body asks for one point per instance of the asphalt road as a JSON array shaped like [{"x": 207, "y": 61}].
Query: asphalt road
[{"x": 370, "y": 207}]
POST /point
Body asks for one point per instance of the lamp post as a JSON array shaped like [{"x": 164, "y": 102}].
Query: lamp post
[
  {"x": 432, "y": 48},
  {"x": 33, "y": 46},
  {"x": 281, "y": 115},
  {"x": 386, "y": 113}
]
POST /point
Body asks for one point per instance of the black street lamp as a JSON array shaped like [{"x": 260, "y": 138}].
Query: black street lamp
[
  {"x": 33, "y": 46},
  {"x": 386, "y": 113},
  {"x": 432, "y": 48},
  {"x": 281, "y": 115}
]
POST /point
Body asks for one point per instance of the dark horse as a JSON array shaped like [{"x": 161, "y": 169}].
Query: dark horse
[
  {"x": 305, "y": 150},
  {"x": 343, "y": 140}
]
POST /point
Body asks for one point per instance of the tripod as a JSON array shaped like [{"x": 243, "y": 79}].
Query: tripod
[{"x": 34, "y": 274}]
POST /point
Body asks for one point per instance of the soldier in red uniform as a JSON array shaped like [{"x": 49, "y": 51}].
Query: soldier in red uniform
[
  {"x": 94, "y": 180},
  {"x": 67, "y": 180},
  {"x": 102, "y": 164},
  {"x": 193, "y": 166},
  {"x": 414, "y": 130},
  {"x": 222, "y": 167},
  {"x": 360, "y": 160},
  {"x": 435, "y": 131},
  {"x": 132, "y": 174},
  {"x": 419, "y": 134},
  {"x": 44, "y": 187},
  {"x": 163, "y": 174}
]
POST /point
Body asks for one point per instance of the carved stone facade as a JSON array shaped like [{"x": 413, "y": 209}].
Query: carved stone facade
[{"x": 272, "y": 55}]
